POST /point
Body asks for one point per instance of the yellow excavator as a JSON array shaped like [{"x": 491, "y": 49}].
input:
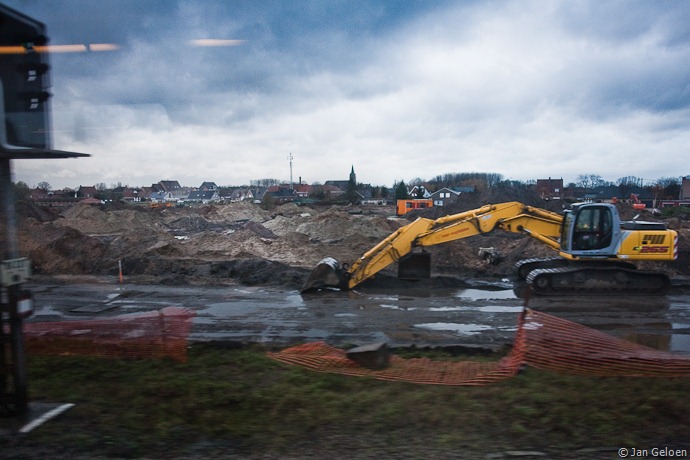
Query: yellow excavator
[{"x": 595, "y": 249}]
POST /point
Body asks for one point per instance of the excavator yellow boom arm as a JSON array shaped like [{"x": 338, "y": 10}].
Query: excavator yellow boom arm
[{"x": 516, "y": 217}]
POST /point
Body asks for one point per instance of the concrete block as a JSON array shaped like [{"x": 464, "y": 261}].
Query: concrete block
[{"x": 372, "y": 356}]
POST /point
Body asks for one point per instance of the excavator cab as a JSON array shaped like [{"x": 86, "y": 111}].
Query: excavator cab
[{"x": 591, "y": 230}]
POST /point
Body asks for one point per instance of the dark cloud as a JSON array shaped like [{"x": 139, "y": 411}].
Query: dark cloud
[{"x": 472, "y": 85}]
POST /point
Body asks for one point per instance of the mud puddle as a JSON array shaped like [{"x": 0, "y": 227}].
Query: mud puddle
[{"x": 484, "y": 315}]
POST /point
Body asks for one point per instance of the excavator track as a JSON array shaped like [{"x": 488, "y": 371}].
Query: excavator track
[
  {"x": 596, "y": 280},
  {"x": 525, "y": 266}
]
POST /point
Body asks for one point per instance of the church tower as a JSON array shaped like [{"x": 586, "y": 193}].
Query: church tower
[{"x": 353, "y": 176}]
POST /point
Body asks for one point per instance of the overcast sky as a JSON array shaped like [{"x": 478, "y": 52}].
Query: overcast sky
[{"x": 398, "y": 89}]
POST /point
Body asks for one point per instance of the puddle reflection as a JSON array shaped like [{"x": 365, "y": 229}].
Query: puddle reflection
[
  {"x": 464, "y": 329},
  {"x": 485, "y": 294}
]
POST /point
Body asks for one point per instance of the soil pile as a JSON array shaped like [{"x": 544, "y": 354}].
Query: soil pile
[
  {"x": 242, "y": 243},
  {"x": 233, "y": 243}
]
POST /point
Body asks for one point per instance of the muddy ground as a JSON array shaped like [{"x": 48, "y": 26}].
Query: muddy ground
[{"x": 240, "y": 243}]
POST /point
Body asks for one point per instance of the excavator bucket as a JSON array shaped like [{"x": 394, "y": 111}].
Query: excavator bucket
[
  {"x": 327, "y": 273},
  {"x": 415, "y": 266}
]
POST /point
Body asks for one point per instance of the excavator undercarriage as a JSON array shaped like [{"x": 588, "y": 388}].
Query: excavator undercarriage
[{"x": 557, "y": 276}]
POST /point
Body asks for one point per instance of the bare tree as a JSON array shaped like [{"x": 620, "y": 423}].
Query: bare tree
[
  {"x": 670, "y": 187},
  {"x": 264, "y": 182},
  {"x": 627, "y": 184},
  {"x": 477, "y": 179},
  {"x": 589, "y": 181}
]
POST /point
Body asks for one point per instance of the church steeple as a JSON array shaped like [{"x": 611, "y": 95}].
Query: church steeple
[{"x": 353, "y": 176}]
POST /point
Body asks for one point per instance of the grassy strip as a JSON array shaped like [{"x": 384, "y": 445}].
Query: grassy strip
[{"x": 240, "y": 401}]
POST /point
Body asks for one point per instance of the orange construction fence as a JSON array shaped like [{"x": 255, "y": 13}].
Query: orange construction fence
[
  {"x": 542, "y": 341},
  {"x": 156, "y": 334},
  {"x": 563, "y": 346}
]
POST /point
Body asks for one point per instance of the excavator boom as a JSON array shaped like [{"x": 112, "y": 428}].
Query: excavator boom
[{"x": 512, "y": 217}]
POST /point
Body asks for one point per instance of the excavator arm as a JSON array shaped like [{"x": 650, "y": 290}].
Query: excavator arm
[{"x": 515, "y": 217}]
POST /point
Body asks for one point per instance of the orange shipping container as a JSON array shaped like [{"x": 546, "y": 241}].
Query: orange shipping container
[{"x": 405, "y": 206}]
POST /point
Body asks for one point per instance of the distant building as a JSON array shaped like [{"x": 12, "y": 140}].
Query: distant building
[
  {"x": 87, "y": 191},
  {"x": 302, "y": 190},
  {"x": 612, "y": 194},
  {"x": 128, "y": 194},
  {"x": 207, "y": 186},
  {"x": 54, "y": 199},
  {"x": 684, "y": 198},
  {"x": 132, "y": 194},
  {"x": 685, "y": 189},
  {"x": 281, "y": 193},
  {"x": 204, "y": 196},
  {"x": 161, "y": 197},
  {"x": 550, "y": 189},
  {"x": 234, "y": 194},
  {"x": 444, "y": 196},
  {"x": 171, "y": 186},
  {"x": 419, "y": 191},
  {"x": 39, "y": 194},
  {"x": 145, "y": 193},
  {"x": 327, "y": 192},
  {"x": 343, "y": 184}
]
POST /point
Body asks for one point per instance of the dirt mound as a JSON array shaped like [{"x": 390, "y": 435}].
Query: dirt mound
[
  {"x": 238, "y": 211},
  {"x": 56, "y": 249},
  {"x": 93, "y": 221},
  {"x": 334, "y": 226},
  {"x": 29, "y": 209},
  {"x": 201, "y": 244}
]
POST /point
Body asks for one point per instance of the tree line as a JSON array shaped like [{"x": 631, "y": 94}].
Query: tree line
[{"x": 662, "y": 188}]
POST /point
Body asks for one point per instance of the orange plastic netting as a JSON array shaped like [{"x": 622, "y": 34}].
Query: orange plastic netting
[
  {"x": 563, "y": 346},
  {"x": 321, "y": 357},
  {"x": 542, "y": 341},
  {"x": 155, "y": 334}
]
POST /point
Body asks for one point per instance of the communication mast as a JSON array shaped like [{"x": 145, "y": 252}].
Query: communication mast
[{"x": 290, "y": 158}]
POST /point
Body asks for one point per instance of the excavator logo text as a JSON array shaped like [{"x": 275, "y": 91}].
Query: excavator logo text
[
  {"x": 456, "y": 232},
  {"x": 653, "y": 239},
  {"x": 654, "y": 249}
]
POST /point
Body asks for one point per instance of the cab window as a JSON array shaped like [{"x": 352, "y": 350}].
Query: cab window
[{"x": 593, "y": 229}]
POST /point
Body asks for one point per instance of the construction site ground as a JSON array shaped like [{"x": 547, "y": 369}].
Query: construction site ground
[
  {"x": 242, "y": 244},
  {"x": 251, "y": 260},
  {"x": 239, "y": 268}
]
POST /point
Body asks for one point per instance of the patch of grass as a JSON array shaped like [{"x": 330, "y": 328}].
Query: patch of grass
[{"x": 240, "y": 401}]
